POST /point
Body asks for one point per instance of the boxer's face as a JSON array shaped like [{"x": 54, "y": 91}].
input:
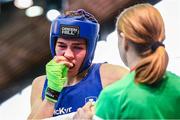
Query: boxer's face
[{"x": 74, "y": 51}]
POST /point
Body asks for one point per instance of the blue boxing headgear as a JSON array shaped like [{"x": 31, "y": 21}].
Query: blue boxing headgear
[{"x": 79, "y": 24}]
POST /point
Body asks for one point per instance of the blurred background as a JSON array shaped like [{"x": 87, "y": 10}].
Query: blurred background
[{"x": 24, "y": 42}]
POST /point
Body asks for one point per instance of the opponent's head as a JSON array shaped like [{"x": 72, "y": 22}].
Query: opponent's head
[
  {"x": 141, "y": 27},
  {"x": 76, "y": 24}
]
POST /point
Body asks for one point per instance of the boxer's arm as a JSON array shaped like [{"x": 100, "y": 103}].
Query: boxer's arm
[
  {"x": 111, "y": 73},
  {"x": 40, "y": 109},
  {"x": 57, "y": 77},
  {"x": 37, "y": 104}
]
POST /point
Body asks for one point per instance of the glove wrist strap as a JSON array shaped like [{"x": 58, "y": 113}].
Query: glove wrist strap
[{"x": 52, "y": 95}]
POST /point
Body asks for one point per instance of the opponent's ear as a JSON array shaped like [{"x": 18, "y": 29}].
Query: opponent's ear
[{"x": 124, "y": 41}]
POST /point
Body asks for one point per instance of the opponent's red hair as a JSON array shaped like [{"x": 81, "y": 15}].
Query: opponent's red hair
[{"x": 143, "y": 25}]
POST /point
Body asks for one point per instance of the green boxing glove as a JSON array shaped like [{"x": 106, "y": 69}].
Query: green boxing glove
[{"x": 57, "y": 77}]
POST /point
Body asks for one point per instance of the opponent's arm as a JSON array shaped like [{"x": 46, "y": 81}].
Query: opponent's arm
[{"x": 85, "y": 113}]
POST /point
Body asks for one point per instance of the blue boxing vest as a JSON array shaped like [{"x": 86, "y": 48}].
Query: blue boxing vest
[{"x": 73, "y": 97}]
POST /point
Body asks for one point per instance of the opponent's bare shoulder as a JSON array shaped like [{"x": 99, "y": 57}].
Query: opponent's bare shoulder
[{"x": 111, "y": 73}]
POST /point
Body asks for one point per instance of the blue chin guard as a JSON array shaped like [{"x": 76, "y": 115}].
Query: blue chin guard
[{"x": 83, "y": 25}]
